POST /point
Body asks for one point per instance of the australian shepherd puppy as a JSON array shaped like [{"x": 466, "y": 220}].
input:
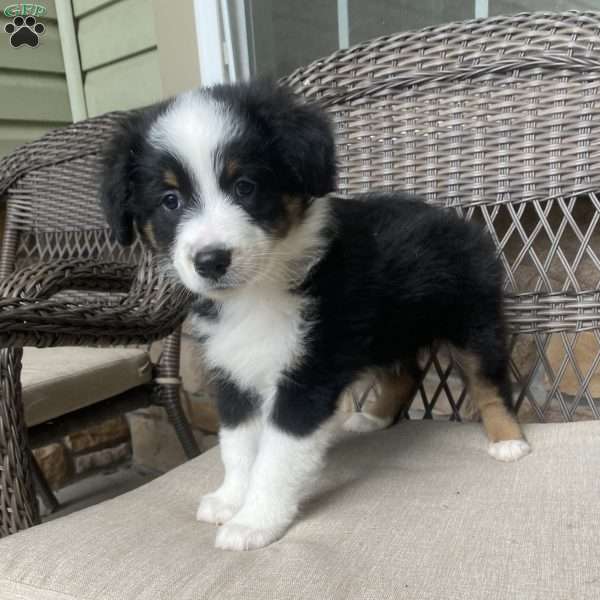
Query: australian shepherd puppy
[{"x": 298, "y": 293}]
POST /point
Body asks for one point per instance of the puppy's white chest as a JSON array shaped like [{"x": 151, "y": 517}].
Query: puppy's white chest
[{"x": 256, "y": 336}]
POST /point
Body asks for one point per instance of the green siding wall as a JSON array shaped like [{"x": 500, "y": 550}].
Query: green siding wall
[
  {"x": 117, "y": 49},
  {"x": 119, "y": 63},
  {"x": 33, "y": 88}
]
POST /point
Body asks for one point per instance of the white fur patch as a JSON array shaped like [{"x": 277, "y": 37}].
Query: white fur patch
[
  {"x": 259, "y": 333},
  {"x": 283, "y": 473},
  {"x": 215, "y": 509},
  {"x": 509, "y": 450},
  {"x": 361, "y": 422},
  {"x": 192, "y": 129},
  {"x": 239, "y": 446}
]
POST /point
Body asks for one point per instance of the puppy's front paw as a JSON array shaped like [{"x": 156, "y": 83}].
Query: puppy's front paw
[
  {"x": 213, "y": 509},
  {"x": 509, "y": 450},
  {"x": 236, "y": 536}
]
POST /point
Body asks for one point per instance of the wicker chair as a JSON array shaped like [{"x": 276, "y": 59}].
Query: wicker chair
[
  {"x": 64, "y": 282},
  {"x": 496, "y": 118}
]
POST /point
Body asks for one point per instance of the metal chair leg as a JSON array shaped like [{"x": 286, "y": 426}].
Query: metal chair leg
[{"x": 170, "y": 382}]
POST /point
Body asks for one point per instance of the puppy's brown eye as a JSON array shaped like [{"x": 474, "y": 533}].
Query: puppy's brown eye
[
  {"x": 171, "y": 200},
  {"x": 244, "y": 188}
]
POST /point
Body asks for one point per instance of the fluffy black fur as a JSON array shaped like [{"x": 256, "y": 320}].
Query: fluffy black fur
[
  {"x": 125, "y": 177},
  {"x": 399, "y": 275}
]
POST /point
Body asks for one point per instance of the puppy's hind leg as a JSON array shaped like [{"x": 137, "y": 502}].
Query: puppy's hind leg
[
  {"x": 489, "y": 388},
  {"x": 397, "y": 386}
]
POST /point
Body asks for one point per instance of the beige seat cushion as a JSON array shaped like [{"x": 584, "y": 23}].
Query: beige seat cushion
[
  {"x": 57, "y": 381},
  {"x": 416, "y": 512}
]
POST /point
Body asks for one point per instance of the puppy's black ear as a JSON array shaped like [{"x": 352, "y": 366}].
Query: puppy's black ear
[
  {"x": 305, "y": 144},
  {"x": 308, "y": 149},
  {"x": 117, "y": 180}
]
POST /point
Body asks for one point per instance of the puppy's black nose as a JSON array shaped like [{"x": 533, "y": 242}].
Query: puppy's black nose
[{"x": 212, "y": 262}]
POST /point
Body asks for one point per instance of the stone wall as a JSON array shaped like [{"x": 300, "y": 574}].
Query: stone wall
[{"x": 75, "y": 455}]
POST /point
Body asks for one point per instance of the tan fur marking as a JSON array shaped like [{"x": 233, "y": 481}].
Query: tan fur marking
[
  {"x": 397, "y": 388},
  {"x": 149, "y": 233},
  {"x": 170, "y": 179},
  {"x": 294, "y": 210},
  {"x": 499, "y": 424},
  {"x": 231, "y": 168}
]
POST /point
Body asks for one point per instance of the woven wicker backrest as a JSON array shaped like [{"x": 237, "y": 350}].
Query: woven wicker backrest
[
  {"x": 500, "y": 119},
  {"x": 53, "y": 211},
  {"x": 499, "y": 109}
]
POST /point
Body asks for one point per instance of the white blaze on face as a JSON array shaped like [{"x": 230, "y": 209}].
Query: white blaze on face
[{"x": 193, "y": 129}]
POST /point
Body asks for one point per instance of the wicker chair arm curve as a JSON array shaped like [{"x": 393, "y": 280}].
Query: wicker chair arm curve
[
  {"x": 48, "y": 324},
  {"x": 152, "y": 306},
  {"x": 44, "y": 280},
  {"x": 134, "y": 319},
  {"x": 58, "y": 145}
]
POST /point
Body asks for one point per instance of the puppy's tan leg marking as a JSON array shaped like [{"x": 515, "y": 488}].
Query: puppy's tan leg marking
[
  {"x": 507, "y": 442},
  {"x": 397, "y": 387}
]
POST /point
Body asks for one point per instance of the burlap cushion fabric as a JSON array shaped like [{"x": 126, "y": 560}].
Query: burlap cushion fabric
[{"x": 416, "y": 512}]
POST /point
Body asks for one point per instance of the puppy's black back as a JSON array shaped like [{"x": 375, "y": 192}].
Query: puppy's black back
[{"x": 399, "y": 275}]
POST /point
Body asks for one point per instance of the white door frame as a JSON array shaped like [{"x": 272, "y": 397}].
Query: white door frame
[
  {"x": 224, "y": 42},
  {"x": 209, "y": 34}
]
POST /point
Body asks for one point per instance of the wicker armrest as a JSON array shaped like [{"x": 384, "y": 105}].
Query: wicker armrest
[
  {"x": 65, "y": 143},
  {"x": 151, "y": 308},
  {"x": 40, "y": 281}
]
